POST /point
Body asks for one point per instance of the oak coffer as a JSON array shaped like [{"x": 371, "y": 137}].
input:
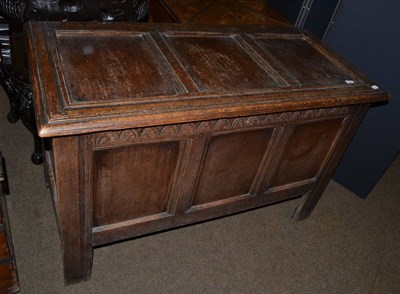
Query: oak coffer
[{"x": 152, "y": 126}]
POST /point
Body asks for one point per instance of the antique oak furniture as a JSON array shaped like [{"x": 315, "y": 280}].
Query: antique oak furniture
[
  {"x": 256, "y": 12},
  {"x": 154, "y": 126},
  {"x": 13, "y": 72},
  {"x": 8, "y": 271}
]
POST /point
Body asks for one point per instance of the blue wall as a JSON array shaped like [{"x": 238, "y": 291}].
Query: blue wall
[{"x": 367, "y": 34}]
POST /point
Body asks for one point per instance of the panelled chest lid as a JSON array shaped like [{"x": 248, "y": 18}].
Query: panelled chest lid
[{"x": 90, "y": 77}]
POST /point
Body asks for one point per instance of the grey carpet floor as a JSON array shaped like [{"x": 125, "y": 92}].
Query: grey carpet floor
[{"x": 348, "y": 245}]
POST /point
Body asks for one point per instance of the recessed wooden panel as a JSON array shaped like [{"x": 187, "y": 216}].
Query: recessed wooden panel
[
  {"x": 132, "y": 182},
  {"x": 306, "y": 151},
  {"x": 230, "y": 165},
  {"x": 101, "y": 68},
  {"x": 302, "y": 62},
  {"x": 221, "y": 64}
]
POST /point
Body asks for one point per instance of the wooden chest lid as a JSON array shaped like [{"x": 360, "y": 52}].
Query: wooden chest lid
[{"x": 90, "y": 77}]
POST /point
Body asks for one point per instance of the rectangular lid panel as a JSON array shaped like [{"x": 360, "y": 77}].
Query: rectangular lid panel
[
  {"x": 300, "y": 62},
  {"x": 103, "y": 68},
  {"x": 219, "y": 64}
]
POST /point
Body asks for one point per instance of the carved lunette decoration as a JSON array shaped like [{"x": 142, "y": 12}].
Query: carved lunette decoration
[{"x": 180, "y": 131}]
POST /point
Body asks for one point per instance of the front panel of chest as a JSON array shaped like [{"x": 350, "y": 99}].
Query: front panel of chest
[{"x": 208, "y": 168}]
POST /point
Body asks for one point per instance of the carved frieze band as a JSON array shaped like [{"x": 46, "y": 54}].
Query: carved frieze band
[{"x": 185, "y": 130}]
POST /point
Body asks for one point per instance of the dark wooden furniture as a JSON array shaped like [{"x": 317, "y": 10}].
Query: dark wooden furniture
[
  {"x": 154, "y": 126},
  {"x": 13, "y": 70},
  {"x": 256, "y": 12},
  {"x": 8, "y": 271}
]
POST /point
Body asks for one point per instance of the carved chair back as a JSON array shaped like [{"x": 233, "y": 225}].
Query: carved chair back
[
  {"x": 13, "y": 70},
  {"x": 20, "y": 11}
]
